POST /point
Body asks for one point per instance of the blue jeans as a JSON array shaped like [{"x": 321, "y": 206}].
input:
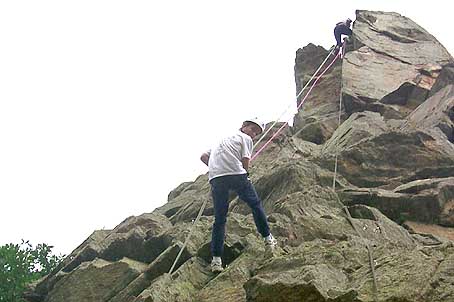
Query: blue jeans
[{"x": 220, "y": 187}]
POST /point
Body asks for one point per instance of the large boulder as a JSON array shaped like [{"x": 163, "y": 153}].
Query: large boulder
[
  {"x": 340, "y": 269},
  {"x": 179, "y": 287},
  {"x": 393, "y": 66},
  {"x": 440, "y": 192},
  {"x": 380, "y": 155},
  {"x": 185, "y": 201},
  {"x": 87, "y": 251},
  {"x": 96, "y": 281},
  {"x": 445, "y": 78},
  {"x": 128, "y": 239},
  {"x": 399, "y": 37},
  {"x": 436, "y": 115},
  {"x": 428, "y": 201}
]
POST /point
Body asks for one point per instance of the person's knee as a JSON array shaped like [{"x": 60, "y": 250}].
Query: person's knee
[
  {"x": 220, "y": 221},
  {"x": 251, "y": 199},
  {"x": 256, "y": 205}
]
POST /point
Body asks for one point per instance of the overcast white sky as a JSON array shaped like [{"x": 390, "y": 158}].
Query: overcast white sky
[{"x": 106, "y": 106}]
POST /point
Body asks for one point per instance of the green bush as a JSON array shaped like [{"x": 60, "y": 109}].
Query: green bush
[{"x": 21, "y": 264}]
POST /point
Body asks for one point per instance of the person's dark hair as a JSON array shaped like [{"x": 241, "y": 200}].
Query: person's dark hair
[{"x": 247, "y": 123}]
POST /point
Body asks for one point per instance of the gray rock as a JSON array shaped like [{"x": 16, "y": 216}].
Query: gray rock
[
  {"x": 98, "y": 281},
  {"x": 87, "y": 251},
  {"x": 397, "y": 206},
  {"x": 398, "y": 37},
  {"x": 178, "y": 190},
  {"x": 388, "y": 159},
  {"x": 439, "y": 287},
  {"x": 391, "y": 54},
  {"x": 436, "y": 115},
  {"x": 439, "y": 193},
  {"x": 445, "y": 78},
  {"x": 184, "y": 205},
  {"x": 318, "y": 117},
  {"x": 181, "y": 286},
  {"x": 126, "y": 240}
]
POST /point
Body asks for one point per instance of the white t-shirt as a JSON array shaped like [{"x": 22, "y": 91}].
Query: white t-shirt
[{"x": 225, "y": 158}]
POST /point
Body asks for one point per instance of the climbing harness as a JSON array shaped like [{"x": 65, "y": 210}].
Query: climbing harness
[{"x": 317, "y": 78}]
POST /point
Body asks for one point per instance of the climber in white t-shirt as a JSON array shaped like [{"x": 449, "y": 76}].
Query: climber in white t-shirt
[{"x": 228, "y": 165}]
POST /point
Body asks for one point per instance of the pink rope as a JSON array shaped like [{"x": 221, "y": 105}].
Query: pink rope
[{"x": 299, "y": 106}]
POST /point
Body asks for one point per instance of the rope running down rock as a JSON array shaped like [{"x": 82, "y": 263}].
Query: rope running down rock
[{"x": 253, "y": 157}]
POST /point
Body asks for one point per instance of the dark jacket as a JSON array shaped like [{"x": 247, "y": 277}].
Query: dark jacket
[{"x": 341, "y": 29}]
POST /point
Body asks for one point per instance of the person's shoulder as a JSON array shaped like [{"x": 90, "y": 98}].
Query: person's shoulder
[{"x": 244, "y": 137}]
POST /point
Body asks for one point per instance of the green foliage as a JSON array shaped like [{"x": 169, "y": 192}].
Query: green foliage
[{"x": 21, "y": 264}]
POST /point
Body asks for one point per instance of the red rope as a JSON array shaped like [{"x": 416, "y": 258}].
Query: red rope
[{"x": 299, "y": 106}]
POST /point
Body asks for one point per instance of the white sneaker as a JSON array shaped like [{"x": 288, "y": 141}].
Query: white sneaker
[
  {"x": 216, "y": 266},
  {"x": 270, "y": 243}
]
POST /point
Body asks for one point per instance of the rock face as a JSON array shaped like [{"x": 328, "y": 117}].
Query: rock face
[
  {"x": 382, "y": 234},
  {"x": 392, "y": 55},
  {"x": 436, "y": 116},
  {"x": 318, "y": 118}
]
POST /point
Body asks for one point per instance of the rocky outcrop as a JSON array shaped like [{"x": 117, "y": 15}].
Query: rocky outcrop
[
  {"x": 374, "y": 153},
  {"x": 445, "y": 78},
  {"x": 435, "y": 116},
  {"x": 126, "y": 240},
  {"x": 318, "y": 118},
  {"x": 438, "y": 192},
  {"x": 185, "y": 201},
  {"x": 382, "y": 234},
  {"x": 428, "y": 200},
  {"x": 393, "y": 56},
  {"x": 98, "y": 280},
  {"x": 398, "y": 37}
]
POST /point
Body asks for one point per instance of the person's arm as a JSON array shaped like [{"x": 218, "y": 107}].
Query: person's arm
[
  {"x": 245, "y": 163},
  {"x": 205, "y": 158},
  {"x": 246, "y": 151}
]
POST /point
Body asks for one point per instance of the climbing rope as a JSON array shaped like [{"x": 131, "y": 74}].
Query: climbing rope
[
  {"x": 297, "y": 96},
  {"x": 369, "y": 253},
  {"x": 189, "y": 235},
  {"x": 349, "y": 217},
  {"x": 265, "y": 145},
  {"x": 338, "y": 123},
  {"x": 258, "y": 152},
  {"x": 297, "y": 108}
]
